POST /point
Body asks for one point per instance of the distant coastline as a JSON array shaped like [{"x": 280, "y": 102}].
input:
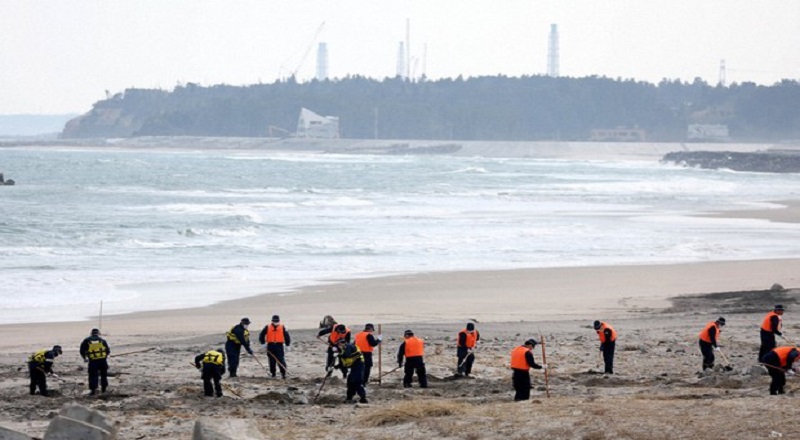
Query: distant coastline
[{"x": 648, "y": 151}]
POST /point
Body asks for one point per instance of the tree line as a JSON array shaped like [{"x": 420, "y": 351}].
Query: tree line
[{"x": 524, "y": 108}]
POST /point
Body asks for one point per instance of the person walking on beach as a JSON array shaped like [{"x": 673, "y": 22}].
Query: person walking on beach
[
  {"x": 708, "y": 341},
  {"x": 95, "y": 351},
  {"x": 40, "y": 364},
  {"x": 213, "y": 367},
  {"x": 334, "y": 332},
  {"x": 274, "y": 336},
  {"x": 465, "y": 349},
  {"x": 521, "y": 362},
  {"x": 238, "y": 337},
  {"x": 351, "y": 359},
  {"x": 366, "y": 342},
  {"x": 778, "y": 362},
  {"x": 608, "y": 342},
  {"x": 770, "y": 326},
  {"x": 413, "y": 349}
]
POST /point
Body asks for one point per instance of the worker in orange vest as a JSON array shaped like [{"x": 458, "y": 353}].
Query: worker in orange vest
[
  {"x": 779, "y": 361},
  {"x": 770, "y": 326},
  {"x": 335, "y": 332},
  {"x": 413, "y": 349},
  {"x": 708, "y": 341},
  {"x": 366, "y": 342},
  {"x": 521, "y": 362},
  {"x": 465, "y": 349},
  {"x": 608, "y": 342},
  {"x": 275, "y": 339}
]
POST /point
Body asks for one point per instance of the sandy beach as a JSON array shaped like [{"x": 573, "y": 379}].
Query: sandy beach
[{"x": 156, "y": 395}]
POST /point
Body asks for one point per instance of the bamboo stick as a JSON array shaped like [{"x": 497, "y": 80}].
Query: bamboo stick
[
  {"x": 131, "y": 352},
  {"x": 544, "y": 361},
  {"x": 380, "y": 355}
]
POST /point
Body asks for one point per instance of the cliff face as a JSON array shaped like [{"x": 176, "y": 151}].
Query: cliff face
[
  {"x": 763, "y": 161},
  {"x": 102, "y": 123}
]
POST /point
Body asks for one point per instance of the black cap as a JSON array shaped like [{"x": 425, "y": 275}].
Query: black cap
[
  {"x": 245, "y": 320},
  {"x": 276, "y": 318},
  {"x": 597, "y": 325},
  {"x": 779, "y": 308},
  {"x": 57, "y": 349},
  {"x": 369, "y": 326},
  {"x": 95, "y": 331},
  {"x": 470, "y": 326},
  {"x": 721, "y": 320},
  {"x": 531, "y": 342},
  {"x": 341, "y": 328},
  {"x": 408, "y": 333}
]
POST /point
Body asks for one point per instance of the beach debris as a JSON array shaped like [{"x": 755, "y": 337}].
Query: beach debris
[
  {"x": 776, "y": 288},
  {"x": 228, "y": 429},
  {"x": 77, "y": 421}
]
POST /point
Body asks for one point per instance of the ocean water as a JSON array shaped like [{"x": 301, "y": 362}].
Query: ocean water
[{"x": 147, "y": 230}]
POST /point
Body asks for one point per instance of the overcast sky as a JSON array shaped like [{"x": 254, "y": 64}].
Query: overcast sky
[{"x": 61, "y": 56}]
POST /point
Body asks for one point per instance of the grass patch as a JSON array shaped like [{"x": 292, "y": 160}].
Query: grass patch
[{"x": 407, "y": 412}]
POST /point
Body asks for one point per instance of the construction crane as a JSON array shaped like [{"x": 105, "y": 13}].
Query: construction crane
[{"x": 293, "y": 72}]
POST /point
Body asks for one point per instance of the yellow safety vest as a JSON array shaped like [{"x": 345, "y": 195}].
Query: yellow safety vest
[
  {"x": 232, "y": 337},
  {"x": 347, "y": 362},
  {"x": 97, "y": 350},
  {"x": 38, "y": 357},
  {"x": 213, "y": 357}
]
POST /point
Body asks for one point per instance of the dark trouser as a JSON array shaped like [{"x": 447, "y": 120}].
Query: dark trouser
[
  {"x": 415, "y": 364},
  {"x": 212, "y": 372},
  {"x": 767, "y": 344},
  {"x": 276, "y": 358},
  {"x": 708, "y": 354},
  {"x": 232, "y": 351},
  {"x": 367, "y": 366},
  {"x": 38, "y": 379},
  {"x": 330, "y": 361},
  {"x": 355, "y": 382},
  {"x": 522, "y": 384},
  {"x": 608, "y": 355},
  {"x": 777, "y": 373},
  {"x": 465, "y": 360},
  {"x": 98, "y": 369}
]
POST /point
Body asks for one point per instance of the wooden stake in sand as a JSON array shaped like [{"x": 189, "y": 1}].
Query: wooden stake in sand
[
  {"x": 380, "y": 355},
  {"x": 269, "y": 353},
  {"x": 544, "y": 361},
  {"x": 100, "y": 318}
]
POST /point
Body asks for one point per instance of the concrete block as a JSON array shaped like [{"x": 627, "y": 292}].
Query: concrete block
[
  {"x": 64, "y": 428},
  {"x": 234, "y": 429},
  {"x": 87, "y": 415},
  {"x": 7, "y": 434}
]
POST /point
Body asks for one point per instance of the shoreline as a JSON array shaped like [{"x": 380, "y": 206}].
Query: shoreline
[{"x": 525, "y": 295}]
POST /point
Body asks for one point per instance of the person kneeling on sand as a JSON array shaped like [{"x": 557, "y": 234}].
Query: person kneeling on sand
[
  {"x": 413, "y": 349},
  {"x": 95, "y": 351},
  {"x": 40, "y": 364},
  {"x": 778, "y": 362},
  {"x": 213, "y": 366},
  {"x": 521, "y": 363},
  {"x": 351, "y": 359}
]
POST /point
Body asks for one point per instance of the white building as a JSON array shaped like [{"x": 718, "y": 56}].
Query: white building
[{"x": 312, "y": 125}]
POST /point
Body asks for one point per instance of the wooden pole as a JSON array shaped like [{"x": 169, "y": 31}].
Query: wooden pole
[
  {"x": 131, "y": 352},
  {"x": 380, "y": 356},
  {"x": 325, "y": 379},
  {"x": 544, "y": 361},
  {"x": 100, "y": 323},
  {"x": 257, "y": 360},
  {"x": 278, "y": 361}
]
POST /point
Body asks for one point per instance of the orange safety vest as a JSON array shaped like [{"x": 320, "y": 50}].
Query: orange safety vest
[
  {"x": 275, "y": 334},
  {"x": 472, "y": 338},
  {"x": 767, "y": 325},
  {"x": 414, "y": 347},
  {"x": 704, "y": 334},
  {"x": 362, "y": 343},
  {"x": 518, "y": 361},
  {"x": 335, "y": 336},
  {"x": 783, "y": 354},
  {"x": 602, "y": 334}
]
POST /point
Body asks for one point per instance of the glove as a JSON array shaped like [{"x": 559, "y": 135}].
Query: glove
[
  {"x": 790, "y": 372},
  {"x": 264, "y": 346},
  {"x": 379, "y": 337},
  {"x": 54, "y": 375},
  {"x": 716, "y": 348},
  {"x": 329, "y": 370},
  {"x": 544, "y": 366},
  {"x": 288, "y": 349}
]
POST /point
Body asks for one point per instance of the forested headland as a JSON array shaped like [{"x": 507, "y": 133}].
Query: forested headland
[{"x": 526, "y": 108}]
